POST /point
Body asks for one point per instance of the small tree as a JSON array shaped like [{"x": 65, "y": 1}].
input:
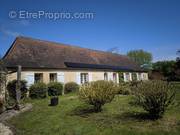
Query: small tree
[
  {"x": 97, "y": 93},
  {"x": 154, "y": 97}
]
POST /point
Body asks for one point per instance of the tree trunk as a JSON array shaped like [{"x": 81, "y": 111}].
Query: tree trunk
[{"x": 97, "y": 108}]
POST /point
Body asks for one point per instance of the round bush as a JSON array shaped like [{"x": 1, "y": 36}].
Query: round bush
[
  {"x": 123, "y": 88},
  {"x": 98, "y": 93},
  {"x": 55, "y": 89},
  {"x": 154, "y": 96},
  {"x": 38, "y": 90},
  {"x": 11, "y": 87},
  {"x": 71, "y": 87}
]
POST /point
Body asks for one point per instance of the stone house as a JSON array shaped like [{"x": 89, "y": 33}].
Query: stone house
[{"x": 44, "y": 61}]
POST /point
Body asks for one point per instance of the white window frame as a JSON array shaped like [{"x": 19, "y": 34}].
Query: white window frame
[
  {"x": 139, "y": 76},
  {"x": 84, "y": 78},
  {"x": 115, "y": 77},
  {"x": 29, "y": 77},
  {"x": 105, "y": 76},
  {"x": 129, "y": 78},
  {"x": 60, "y": 77}
]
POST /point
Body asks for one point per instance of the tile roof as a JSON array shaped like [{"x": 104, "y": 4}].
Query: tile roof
[{"x": 34, "y": 53}]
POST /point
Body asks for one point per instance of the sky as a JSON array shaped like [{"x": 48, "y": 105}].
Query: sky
[{"x": 151, "y": 25}]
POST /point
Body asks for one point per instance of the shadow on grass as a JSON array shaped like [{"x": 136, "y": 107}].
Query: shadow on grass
[
  {"x": 83, "y": 111},
  {"x": 138, "y": 116},
  {"x": 86, "y": 111}
]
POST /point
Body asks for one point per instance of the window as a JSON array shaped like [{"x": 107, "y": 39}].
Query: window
[
  {"x": 114, "y": 77},
  {"x": 121, "y": 76},
  {"x": 53, "y": 77},
  {"x": 105, "y": 76},
  {"x": 127, "y": 76},
  {"x": 38, "y": 77},
  {"x": 139, "y": 76},
  {"x": 134, "y": 76},
  {"x": 144, "y": 76},
  {"x": 84, "y": 78}
]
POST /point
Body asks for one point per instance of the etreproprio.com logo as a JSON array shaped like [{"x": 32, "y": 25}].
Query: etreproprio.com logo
[{"x": 23, "y": 14}]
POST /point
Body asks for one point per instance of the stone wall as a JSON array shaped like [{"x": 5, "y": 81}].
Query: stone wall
[
  {"x": 2, "y": 83},
  {"x": 2, "y": 89}
]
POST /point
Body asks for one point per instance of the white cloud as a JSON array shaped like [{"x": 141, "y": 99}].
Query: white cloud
[{"x": 8, "y": 32}]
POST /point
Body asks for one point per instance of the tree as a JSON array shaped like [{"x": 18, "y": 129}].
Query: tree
[
  {"x": 178, "y": 54},
  {"x": 169, "y": 69},
  {"x": 177, "y": 66},
  {"x": 140, "y": 56},
  {"x": 165, "y": 67}
]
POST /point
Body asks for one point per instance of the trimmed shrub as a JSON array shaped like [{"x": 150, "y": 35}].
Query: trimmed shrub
[
  {"x": 55, "y": 88},
  {"x": 38, "y": 90},
  {"x": 71, "y": 87},
  {"x": 97, "y": 93},
  {"x": 11, "y": 87},
  {"x": 154, "y": 97},
  {"x": 123, "y": 88}
]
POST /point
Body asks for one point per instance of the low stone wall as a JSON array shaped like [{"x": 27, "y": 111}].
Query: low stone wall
[
  {"x": 2, "y": 82},
  {"x": 2, "y": 90}
]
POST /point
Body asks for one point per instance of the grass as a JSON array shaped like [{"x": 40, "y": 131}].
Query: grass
[{"x": 73, "y": 117}]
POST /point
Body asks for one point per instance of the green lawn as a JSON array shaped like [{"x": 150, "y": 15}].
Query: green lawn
[{"x": 73, "y": 117}]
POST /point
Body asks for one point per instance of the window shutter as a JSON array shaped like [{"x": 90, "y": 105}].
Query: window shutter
[
  {"x": 130, "y": 76},
  {"x": 60, "y": 77},
  {"x": 125, "y": 79},
  {"x": 29, "y": 77},
  {"x": 117, "y": 76},
  {"x": 146, "y": 74},
  {"x": 78, "y": 78},
  {"x": 137, "y": 77},
  {"x": 90, "y": 77},
  {"x": 110, "y": 76}
]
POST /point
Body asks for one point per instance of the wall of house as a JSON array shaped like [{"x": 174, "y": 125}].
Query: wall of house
[{"x": 65, "y": 76}]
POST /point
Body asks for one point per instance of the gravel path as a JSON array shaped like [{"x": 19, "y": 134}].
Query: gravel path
[{"x": 5, "y": 130}]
